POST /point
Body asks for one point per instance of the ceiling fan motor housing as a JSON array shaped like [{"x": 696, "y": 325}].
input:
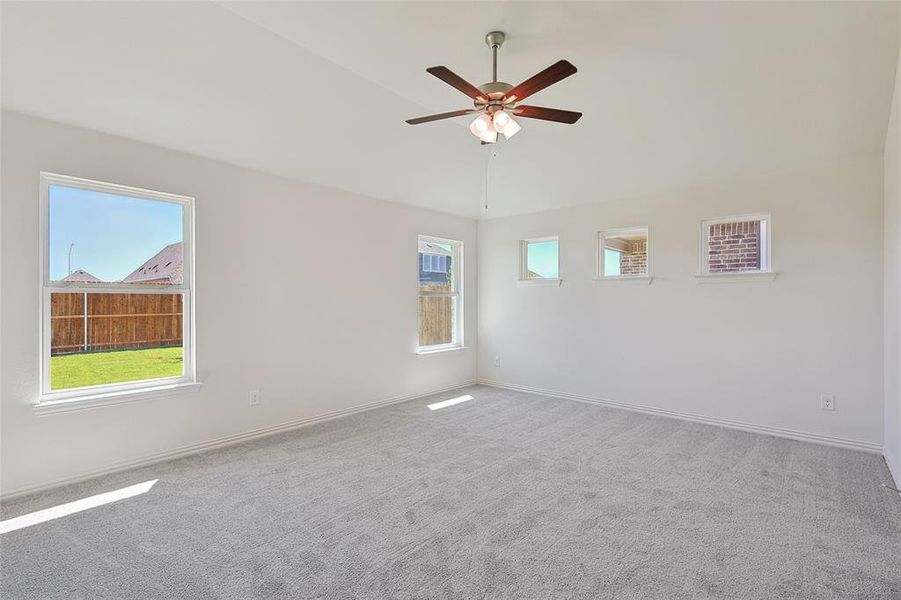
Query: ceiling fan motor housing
[{"x": 495, "y": 90}]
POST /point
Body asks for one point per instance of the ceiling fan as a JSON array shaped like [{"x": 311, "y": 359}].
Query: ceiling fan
[{"x": 496, "y": 102}]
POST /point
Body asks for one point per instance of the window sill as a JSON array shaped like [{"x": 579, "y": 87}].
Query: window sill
[
  {"x": 539, "y": 281},
  {"x": 49, "y": 407},
  {"x": 736, "y": 277},
  {"x": 636, "y": 279},
  {"x": 439, "y": 350}
]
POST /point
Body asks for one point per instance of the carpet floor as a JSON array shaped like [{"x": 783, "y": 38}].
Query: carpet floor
[{"x": 508, "y": 495}]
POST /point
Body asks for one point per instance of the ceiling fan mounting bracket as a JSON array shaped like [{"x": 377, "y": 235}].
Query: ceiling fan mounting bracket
[{"x": 495, "y": 39}]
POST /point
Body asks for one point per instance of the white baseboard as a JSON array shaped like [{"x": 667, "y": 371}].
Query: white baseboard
[
  {"x": 731, "y": 424},
  {"x": 220, "y": 442}
]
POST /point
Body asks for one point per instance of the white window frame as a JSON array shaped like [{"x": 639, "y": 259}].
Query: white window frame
[
  {"x": 524, "y": 278},
  {"x": 456, "y": 284},
  {"x": 600, "y": 257},
  {"x": 766, "y": 249},
  {"x": 101, "y": 394}
]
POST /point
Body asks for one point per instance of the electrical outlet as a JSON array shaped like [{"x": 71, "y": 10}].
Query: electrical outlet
[
  {"x": 827, "y": 402},
  {"x": 254, "y": 397},
  {"x": 497, "y": 360}
]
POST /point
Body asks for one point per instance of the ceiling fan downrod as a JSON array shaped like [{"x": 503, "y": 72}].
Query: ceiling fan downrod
[{"x": 495, "y": 40}]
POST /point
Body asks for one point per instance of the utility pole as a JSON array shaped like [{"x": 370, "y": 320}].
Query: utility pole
[{"x": 72, "y": 245}]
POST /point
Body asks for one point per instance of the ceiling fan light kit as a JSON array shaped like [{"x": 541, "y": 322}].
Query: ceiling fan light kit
[{"x": 497, "y": 101}]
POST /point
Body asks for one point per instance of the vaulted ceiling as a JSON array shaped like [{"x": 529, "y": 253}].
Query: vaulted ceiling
[{"x": 673, "y": 93}]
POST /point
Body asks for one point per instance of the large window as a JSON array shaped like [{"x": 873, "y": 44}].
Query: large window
[
  {"x": 117, "y": 272},
  {"x": 440, "y": 301},
  {"x": 540, "y": 259}
]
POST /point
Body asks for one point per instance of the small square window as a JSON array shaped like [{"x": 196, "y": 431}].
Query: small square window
[
  {"x": 735, "y": 245},
  {"x": 540, "y": 259},
  {"x": 623, "y": 253}
]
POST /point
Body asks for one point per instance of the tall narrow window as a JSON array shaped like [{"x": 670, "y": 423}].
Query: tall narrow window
[
  {"x": 117, "y": 288},
  {"x": 440, "y": 300},
  {"x": 540, "y": 259}
]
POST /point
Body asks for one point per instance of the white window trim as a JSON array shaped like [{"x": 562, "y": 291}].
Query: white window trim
[
  {"x": 116, "y": 392},
  {"x": 457, "y": 266},
  {"x": 601, "y": 246},
  {"x": 524, "y": 279},
  {"x": 736, "y": 277},
  {"x": 539, "y": 281},
  {"x": 625, "y": 279},
  {"x": 439, "y": 349},
  {"x": 765, "y": 273},
  {"x": 51, "y": 407}
]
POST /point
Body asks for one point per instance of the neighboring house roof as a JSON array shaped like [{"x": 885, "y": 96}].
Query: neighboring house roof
[
  {"x": 166, "y": 267},
  {"x": 80, "y": 276},
  {"x": 430, "y": 248}
]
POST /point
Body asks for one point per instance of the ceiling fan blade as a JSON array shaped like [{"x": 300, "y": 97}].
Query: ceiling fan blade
[
  {"x": 554, "y": 73},
  {"x": 547, "y": 114},
  {"x": 452, "y": 79},
  {"x": 438, "y": 117}
]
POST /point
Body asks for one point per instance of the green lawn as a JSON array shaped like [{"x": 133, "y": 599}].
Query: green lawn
[{"x": 95, "y": 368}]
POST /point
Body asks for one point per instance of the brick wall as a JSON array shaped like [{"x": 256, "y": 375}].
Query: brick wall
[
  {"x": 635, "y": 261},
  {"x": 733, "y": 247}
]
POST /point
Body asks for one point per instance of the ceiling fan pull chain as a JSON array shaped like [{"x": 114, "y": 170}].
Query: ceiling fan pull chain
[{"x": 493, "y": 154}]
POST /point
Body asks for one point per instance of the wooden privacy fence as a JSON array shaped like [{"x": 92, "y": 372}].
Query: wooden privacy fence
[
  {"x": 436, "y": 323},
  {"x": 84, "y": 322}
]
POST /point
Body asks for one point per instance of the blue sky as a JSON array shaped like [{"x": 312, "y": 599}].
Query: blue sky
[
  {"x": 543, "y": 258},
  {"x": 113, "y": 235},
  {"x": 611, "y": 263}
]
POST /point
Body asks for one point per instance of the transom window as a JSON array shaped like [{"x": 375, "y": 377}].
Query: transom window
[
  {"x": 440, "y": 299},
  {"x": 117, "y": 273}
]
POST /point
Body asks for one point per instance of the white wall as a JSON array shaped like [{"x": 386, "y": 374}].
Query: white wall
[
  {"x": 892, "y": 218},
  {"x": 277, "y": 307},
  {"x": 276, "y": 248},
  {"x": 757, "y": 353}
]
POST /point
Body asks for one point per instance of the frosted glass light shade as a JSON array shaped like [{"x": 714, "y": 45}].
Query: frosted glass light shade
[
  {"x": 511, "y": 129},
  {"x": 490, "y": 136},
  {"x": 501, "y": 120},
  {"x": 480, "y": 125}
]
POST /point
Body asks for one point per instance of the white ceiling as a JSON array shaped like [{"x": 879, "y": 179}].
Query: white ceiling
[{"x": 673, "y": 93}]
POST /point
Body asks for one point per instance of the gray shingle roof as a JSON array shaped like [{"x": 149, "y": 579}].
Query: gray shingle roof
[
  {"x": 80, "y": 276},
  {"x": 166, "y": 267}
]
